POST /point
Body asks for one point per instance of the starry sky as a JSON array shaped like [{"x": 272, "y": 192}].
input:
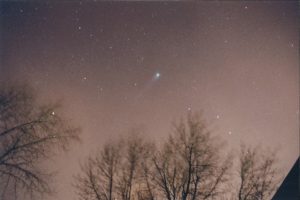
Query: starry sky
[{"x": 118, "y": 65}]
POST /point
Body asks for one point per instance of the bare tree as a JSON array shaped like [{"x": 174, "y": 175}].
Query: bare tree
[
  {"x": 146, "y": 185},
  {"x": 97, "y": 182},
  {"x": 118, "y": 172},
  {"x": 189, "y": 166},
  {"x": 258, "y": 174},
  {"x": 29, "y": 134},
  {"x": 133, "y": 180}
]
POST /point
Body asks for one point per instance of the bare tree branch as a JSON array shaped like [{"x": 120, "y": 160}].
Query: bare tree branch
[
  {"x": 258, "y": 174},
  {"x": 29, "y": 133}
]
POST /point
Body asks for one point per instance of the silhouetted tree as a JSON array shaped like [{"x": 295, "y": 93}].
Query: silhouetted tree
[
  {"x": 29, "y": 134},
  {"x": 258, "y": 174},
  {"x": 133, "y": 162},
  {"x": 118, "y": 172},
  {"x": 97, "y": 180},
  {"x": 146, "y": 186},
  {"x": 189, "y": 166}
]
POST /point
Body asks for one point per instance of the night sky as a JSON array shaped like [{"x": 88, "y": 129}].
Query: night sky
[{"x": 118, "y": 65}]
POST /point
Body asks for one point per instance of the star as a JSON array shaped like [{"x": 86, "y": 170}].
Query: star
[
  {"x": 100, "y": 89},
  {"x": 218, "y": 116}
]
